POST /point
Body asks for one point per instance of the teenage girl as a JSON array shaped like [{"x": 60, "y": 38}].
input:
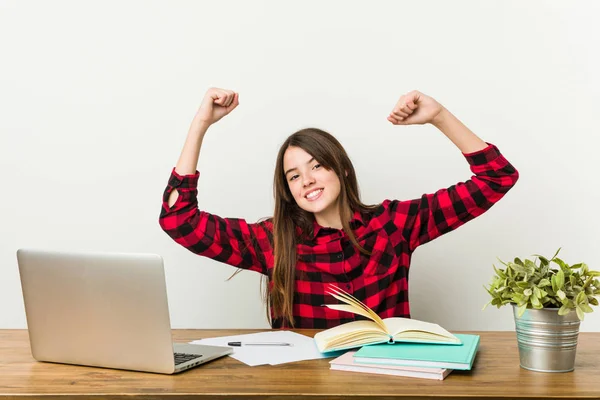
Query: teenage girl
[{"x": 320, "y": 232}]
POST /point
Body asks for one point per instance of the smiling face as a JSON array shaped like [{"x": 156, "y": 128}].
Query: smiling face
[{"x": 315, "y": 188}]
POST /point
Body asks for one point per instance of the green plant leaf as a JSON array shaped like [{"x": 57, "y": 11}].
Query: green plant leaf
[
  {"x": 560, "y": 279},
  {"x": 543, "y": 260},
  {"x": 518, "y": 261},
  {"x": 563, "y": 310},
  {"x": 518, "y": 298},
  {"x": 545, "y": 270},
  {"x": 580, "y": 314},
  {"x": 560, "y": 262},
  {"x": 544, "y": 282},
  {"x": 586, "y": 308},
  {"x": 521, "y": 310},
  {"x": 561, "y": 295},
  {"x": 502, "y": 262},
  {"x": 499, "y": 272},
  {"x": 553, "y": 302},
  {"x": 555, "y": 254},
  {"x": 520, "y": 270},
  {"x": 530, "y": 266}
]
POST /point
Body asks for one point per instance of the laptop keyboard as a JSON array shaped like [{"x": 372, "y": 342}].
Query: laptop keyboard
[{"x": 180, "y": 358}]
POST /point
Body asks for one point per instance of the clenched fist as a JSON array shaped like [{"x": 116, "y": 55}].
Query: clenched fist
[
  {"x": 216, "y": 104},
  {"x": 415, "y": 108}
]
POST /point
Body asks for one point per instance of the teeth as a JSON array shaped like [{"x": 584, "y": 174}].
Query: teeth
[{"x": 314, "y": 194}]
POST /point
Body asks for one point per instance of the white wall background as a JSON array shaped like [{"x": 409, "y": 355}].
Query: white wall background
[{"x": 97, "y": 97}]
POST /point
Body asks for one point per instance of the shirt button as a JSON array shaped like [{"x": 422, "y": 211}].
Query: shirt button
[
  {"x": 340, "y": 256},
  {"x": 174, "y": 181}
]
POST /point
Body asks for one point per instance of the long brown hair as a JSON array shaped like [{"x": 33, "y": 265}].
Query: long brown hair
[{"x": 291, "y": 224}]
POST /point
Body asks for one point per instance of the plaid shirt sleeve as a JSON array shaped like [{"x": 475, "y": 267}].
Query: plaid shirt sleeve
[
  {"x": 432, "y": 215},
  {"x": 229, "y": 240}
]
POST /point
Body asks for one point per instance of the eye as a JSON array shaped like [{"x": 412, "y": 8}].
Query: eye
[
  {"x": 317, "y": 166},
  {"x": 293, "y": 177}
]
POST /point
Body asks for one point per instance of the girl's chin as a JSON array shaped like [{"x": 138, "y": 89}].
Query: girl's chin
[{"x": 313, "y": 207}]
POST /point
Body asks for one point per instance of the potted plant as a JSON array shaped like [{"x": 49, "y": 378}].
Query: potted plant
[{"x": 548, "y": 305}]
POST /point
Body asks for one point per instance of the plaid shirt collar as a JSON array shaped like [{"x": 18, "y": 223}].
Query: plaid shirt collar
[{"x": 356, "y": 221}]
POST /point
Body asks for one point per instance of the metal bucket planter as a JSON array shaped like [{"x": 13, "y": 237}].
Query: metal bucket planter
[{"x": 547, "y": 341}]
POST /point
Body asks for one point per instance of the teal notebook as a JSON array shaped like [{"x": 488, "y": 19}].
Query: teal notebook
[{"x": 422, "y": 355}]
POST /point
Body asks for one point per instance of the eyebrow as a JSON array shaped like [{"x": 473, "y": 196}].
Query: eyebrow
[{"x": 291, "y": 169}]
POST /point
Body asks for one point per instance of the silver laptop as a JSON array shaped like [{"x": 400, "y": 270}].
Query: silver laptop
[{"x": 105, "y": 310}]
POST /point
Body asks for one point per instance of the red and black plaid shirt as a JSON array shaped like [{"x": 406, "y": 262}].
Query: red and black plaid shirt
[{"x": 391, "y": 234}]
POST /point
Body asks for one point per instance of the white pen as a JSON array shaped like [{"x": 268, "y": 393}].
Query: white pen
[{"x": 238, "y": 344}]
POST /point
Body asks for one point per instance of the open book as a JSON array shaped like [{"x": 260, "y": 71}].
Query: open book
[{"x": 388, "y": 330}]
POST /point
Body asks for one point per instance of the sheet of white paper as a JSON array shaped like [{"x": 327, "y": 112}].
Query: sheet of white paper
[{"x": 303, "y": 347}]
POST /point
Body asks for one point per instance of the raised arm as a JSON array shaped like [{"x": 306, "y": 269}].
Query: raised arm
[
  {"x": 422, "y": 220},
  {"x": 216, "y": 104},
  {"x": 229, "y": 240}
]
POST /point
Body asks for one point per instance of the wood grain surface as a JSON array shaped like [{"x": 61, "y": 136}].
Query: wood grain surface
[{"x": 495, "y": 375}]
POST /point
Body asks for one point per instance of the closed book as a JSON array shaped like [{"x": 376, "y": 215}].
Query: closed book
[
  {"x": 346, "y": 362},
  {"x": 422, "y": 355}
]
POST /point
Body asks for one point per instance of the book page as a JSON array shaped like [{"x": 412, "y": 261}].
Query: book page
[
  {"x": 349, "y": 308},
  {"x": 414, "y": 329},
  {"x": 351, "y": 333},
  {"x": 354, "y": 306}
]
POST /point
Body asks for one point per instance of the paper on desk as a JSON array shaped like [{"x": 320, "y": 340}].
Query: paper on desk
[{"x": 303, "y": 348}]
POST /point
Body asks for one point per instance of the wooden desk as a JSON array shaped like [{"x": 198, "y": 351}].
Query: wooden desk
[{"x": 495, "y": 375}]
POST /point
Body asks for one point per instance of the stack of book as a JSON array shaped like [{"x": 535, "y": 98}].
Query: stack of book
[{"x": 394, "y": 346}]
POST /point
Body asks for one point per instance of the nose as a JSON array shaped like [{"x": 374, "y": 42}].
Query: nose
[{"x": 308, "y": 180}]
